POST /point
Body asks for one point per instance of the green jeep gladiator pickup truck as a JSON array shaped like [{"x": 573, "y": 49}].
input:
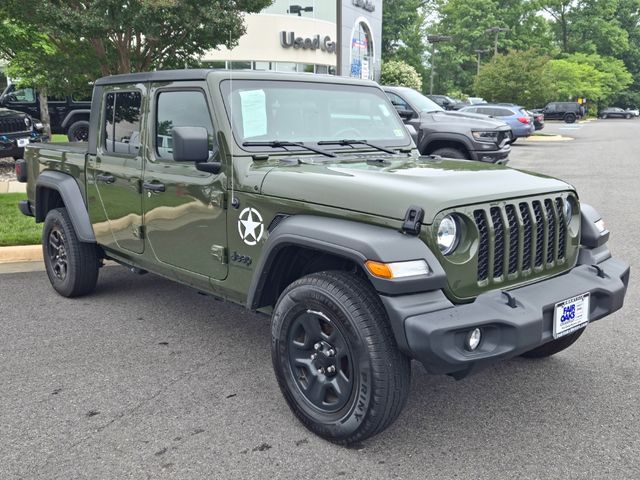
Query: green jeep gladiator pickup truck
[{"x": 304, "y": 197}]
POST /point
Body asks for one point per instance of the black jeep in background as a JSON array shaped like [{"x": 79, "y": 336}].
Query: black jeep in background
[
  {"x": 69, "y": 115},
  {"x": 17, "y": 130},
  {"x": 567, "y": 111}
]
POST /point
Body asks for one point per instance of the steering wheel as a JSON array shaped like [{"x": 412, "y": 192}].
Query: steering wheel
[{"x": 346, "y": 134}]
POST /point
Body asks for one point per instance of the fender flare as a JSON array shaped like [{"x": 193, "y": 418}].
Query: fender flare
[
  {"x": 68, "y": 120},
  {"x": 448, "y": 137},
  {"x": 73, "y": 200},
  {"x": 354, "y": 241}
]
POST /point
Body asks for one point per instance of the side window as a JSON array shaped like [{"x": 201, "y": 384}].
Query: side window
[
  {"x": 398, "y": 102},
  {"x": 551, "y": 108},
  {"x": 180, "y": 109},
  {"x": 24, "y": 95},
  {"x": 122, "y": 122}
]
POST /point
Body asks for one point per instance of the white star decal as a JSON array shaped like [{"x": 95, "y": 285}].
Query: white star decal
[{"x": 250, "y": 226}]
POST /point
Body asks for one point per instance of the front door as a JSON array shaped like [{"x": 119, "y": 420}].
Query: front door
[
  {"x": 114, "y": 175},
  {"x": 184, "y": 211}
]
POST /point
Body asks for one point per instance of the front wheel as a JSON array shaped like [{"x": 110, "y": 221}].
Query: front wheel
[
  {"x": 627, "y": 116},
  {"x": 335, "y": 357},
  {"x": 450, "y": 152},
  {"x": 72, "y": 266},
  {"x": 554, "y": 346}
]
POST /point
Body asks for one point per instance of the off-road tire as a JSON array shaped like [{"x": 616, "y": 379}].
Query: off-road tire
[
  {"x": 450, "y": 152},
  {"x": 554, "y": 346},
  {"x": 80, "y": 259},
  {"x": 344, "y": 306},
  {"x": 569, "y": 118},
  {"x": 78, "y": 131}
]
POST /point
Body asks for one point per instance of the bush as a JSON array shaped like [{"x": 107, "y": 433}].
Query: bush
[{"x": 399, "y": 73}]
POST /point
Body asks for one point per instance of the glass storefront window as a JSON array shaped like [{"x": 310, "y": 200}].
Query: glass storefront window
[
  {"x": 305, "y": 67},
  {"x": 362, "y": 52},
  {"x": 240, "y": 65},
  {"x": 262, "y": 65},
  {"x": 285, "y": 67}
]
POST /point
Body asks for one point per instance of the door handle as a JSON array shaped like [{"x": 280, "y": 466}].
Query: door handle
[
  {"x": 105, "y": 178},
  {"x": 153, "y": 186}
]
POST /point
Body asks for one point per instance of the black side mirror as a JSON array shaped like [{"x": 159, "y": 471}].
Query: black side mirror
[
  {"x": 405, "y": 114},
  {"x": 191, "y": 144}
]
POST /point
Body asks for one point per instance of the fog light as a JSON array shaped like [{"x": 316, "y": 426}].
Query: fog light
[{"x": 473, "y": 339}]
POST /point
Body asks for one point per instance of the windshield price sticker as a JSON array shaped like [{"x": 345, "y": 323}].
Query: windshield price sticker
[{"x": 571, "y": 315}]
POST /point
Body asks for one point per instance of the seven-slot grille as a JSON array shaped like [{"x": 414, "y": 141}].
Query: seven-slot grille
[
  {"x": 521, "y": 237},
  {"x": 12, "y": 125}
]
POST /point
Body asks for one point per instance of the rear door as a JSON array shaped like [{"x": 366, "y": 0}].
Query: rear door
[
  {"x": 116, "y": 170},
  {"x": 184, "y": 208}
]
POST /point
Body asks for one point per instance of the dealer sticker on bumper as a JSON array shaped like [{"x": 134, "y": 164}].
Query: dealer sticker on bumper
[
  {"x": 23, "y": 142},
  {"x": 571, "y": 315}
]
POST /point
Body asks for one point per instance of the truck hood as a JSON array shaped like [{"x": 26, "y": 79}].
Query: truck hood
[
  {"x": 464, "y": 119},
  {"x": 387, "y": 190}
]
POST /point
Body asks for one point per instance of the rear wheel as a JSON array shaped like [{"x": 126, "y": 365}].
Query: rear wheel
[
  {"x": 554, "y": 346},
  {"x": 78, "y": 131},
  {"x": 72, "y": 266},
  {"x": 604, "y": 115},
  {"x": 450, "y": 152},
  {"x": 335, "y": 357},
  {"x": 627, "y": 116},
  {"x": 569, "y": 118}
]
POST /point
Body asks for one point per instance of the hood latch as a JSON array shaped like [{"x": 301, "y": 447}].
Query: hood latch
[{"x": 413, "y": 220}]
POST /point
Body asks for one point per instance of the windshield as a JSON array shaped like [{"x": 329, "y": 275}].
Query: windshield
[
  {"x": 420, "y": 102},
  {"x": 310, "y": 112}
]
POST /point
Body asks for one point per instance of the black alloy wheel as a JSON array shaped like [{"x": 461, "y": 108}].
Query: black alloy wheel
[
  {"x": 320, "y": 361},
  {"x": 57, "y": 251}
]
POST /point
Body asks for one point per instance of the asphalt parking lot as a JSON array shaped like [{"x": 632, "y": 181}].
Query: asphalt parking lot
[{"x": 149, "y": 379}]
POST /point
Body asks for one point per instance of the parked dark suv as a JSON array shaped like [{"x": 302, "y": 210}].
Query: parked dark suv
[
  {"x": 17, "y": 130},
  {"x": 459, "y": 135},
  {"x": 567, "y": 111},
  {"x": 69, "y": 115}
]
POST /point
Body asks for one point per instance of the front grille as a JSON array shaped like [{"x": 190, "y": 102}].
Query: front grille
[
  {"x": 12, "y": 125},
  {"x": 517, "y": 239}
]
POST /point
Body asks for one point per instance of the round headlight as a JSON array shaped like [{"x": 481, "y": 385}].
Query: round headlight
[
  {"x": 567, "y": 210},
  {"x": 448, "y": 235}
]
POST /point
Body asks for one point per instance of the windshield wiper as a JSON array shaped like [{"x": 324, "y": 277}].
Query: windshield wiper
[
  {"x": 351, "y": 143},
  {"x": 279, "y": 144}
]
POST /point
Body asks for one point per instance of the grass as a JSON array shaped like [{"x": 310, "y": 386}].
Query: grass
[
  {"x": 15, "y": 228},
  {"x": 57, "y": 138}
]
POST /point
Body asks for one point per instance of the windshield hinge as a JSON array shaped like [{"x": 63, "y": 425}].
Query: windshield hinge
[{"x": 413, "y": 220}]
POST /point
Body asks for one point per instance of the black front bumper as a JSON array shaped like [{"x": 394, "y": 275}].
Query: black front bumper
[
  {"x": 500, "y": 156},
  {"x": 429, "y": 328}
]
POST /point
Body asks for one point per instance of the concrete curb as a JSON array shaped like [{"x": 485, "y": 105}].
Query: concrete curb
[
  {"x": 11, "y": 186},
  {"x": 25, "y": 253}
]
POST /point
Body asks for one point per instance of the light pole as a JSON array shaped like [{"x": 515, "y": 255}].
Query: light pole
[
  {"x": 497, "y": 31},
  {"x": 433, "y": 39},
  {"x": 480, "y": 52}
]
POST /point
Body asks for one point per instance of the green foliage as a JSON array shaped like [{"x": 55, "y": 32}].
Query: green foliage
[
  {"x": 135, "y": 35},
  {"x": 15, "y": 228},
  {"x": 571, "y": 80},
  {"x": 399, "y": 73},
  {"x": 518, "y": 77},
  {"x": 403, "y": 32}
]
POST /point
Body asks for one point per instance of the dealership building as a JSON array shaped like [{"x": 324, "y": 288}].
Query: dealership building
[{"x": 340, "y": 37}]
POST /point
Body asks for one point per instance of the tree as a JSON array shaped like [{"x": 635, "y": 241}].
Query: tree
[
  {"x": 403, "y": 32},
  {"x": 518, "y": 77},
  {"x": 138, "y": 35},
  {"x": 38, "y": 62},
  {"x": 396, "y": 72}
]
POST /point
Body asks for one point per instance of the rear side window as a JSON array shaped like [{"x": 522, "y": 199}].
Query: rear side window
[
  {"x": 122, "y": 122},
  {"x": 180, "y": 109}
]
